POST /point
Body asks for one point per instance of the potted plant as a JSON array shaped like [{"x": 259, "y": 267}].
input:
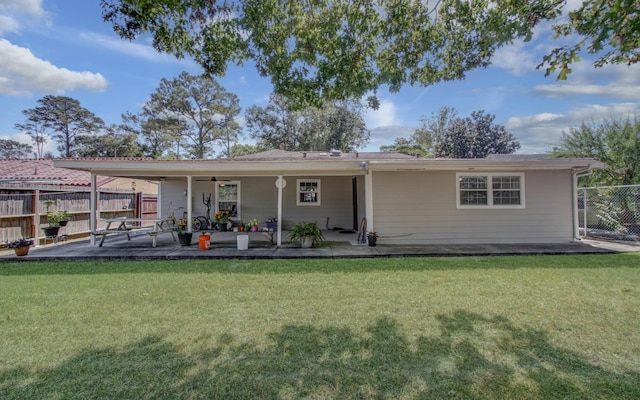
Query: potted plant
[
  {"x": 184, "y": 237},
  {"x": 55, "y": 219},
  {"x": 253, "y": 223},
  {"x": 222, "y": 219},
  {"x": 372, "y": 238},
  {"x": 306, "y": 233},
  {"x": 20, "y": 246}
]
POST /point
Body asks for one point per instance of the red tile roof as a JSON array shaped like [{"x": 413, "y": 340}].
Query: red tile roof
[{"x": 43, "y": 172}]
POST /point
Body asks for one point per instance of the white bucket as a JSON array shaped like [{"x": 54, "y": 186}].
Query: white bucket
[{"x": 243, "y": 242}]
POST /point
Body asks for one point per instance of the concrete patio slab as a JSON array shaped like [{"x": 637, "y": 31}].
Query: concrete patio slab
[{"x": 225, "y": 247}]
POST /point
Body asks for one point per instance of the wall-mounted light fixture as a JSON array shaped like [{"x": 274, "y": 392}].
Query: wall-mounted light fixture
[{"x": 363, "y": 166}]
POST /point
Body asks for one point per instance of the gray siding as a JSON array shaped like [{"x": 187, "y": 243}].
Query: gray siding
[
  {"x": 336, "y": 203},
  {"x": 420, "y": 208},
  {"x": 259, "y": 199}
]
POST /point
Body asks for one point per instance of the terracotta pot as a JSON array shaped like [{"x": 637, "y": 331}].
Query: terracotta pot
[{"x": 22, "y": 251}]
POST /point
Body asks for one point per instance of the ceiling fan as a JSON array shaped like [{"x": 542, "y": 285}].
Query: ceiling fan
[{"x": 212, "y": 179}]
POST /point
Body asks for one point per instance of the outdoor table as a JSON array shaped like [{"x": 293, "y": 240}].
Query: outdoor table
[{"x": 155, "y": 227}]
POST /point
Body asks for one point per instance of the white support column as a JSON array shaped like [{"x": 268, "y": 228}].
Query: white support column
[
  {"x": 93, "y": 208},
  {"x": 159, "y": 199},
  {"x": 368, "y": 199},
  {"x": 189, "y": 204},
  {"x": 574, "y": 187},
  {"x": 280, "y": 184}
]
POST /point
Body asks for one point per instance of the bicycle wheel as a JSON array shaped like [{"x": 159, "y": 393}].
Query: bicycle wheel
[
  {"x": 196, "y": 225},
  {"x": 201, "y": 223}
]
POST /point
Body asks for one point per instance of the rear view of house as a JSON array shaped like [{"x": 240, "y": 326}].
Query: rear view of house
[{"x": 407, "y": 200}]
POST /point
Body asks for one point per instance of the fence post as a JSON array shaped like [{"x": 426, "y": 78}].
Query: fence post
[
  {"x": 36, "y": 217},
  {"x": 584, "y": 213},
  {"x": 93, "y": 202}
]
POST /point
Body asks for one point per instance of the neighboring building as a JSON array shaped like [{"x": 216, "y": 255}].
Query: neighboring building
[
  {"x": 407, "y": 200},
  {"x": 43, "y": 172}
]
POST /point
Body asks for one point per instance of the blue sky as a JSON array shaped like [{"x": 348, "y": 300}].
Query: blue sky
[{"x": 63, "y": 47}]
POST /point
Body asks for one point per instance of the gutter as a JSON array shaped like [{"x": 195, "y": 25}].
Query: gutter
[{"x": 578, "y": 173}]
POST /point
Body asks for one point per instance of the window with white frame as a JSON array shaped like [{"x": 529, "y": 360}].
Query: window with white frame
[
  {"x": 308, "y": 192},
  {"x": 228, "y": 198},
  {"x": 496, "y": 190}
]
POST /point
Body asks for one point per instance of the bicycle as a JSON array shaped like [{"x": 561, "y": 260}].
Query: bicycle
[{"x": 173, "y": 221}]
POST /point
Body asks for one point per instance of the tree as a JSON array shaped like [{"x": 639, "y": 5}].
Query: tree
[
  {"x": 339, "y": 125},
  {"x": 66, "y": 120},
  {"x": 434, "y": 127},
  {"x": 245, "y": 149},
  {"x": 406, "y": 146},
  {"x": 615, "y": 142},
  {"x": 36, "y": 129},
  {"x": 471, "y": 137},
  {"x": 207, "y": 108},
  {"x": 610, "y": 29},
  {"x": 156, "y": 134},
  {"x": 110, "y": 144},
  {"x": 334, "y": 50},
  {"x": 14, "y": 149}
]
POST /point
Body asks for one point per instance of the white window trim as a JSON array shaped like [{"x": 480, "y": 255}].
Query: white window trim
[
  {"x": 490, "y": 176},
  {"x": 317, "y": 203},
  {"x": 216, "y": 208}
]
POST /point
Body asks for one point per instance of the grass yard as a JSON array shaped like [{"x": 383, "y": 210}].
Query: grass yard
[{"x": 408, "y": 328}]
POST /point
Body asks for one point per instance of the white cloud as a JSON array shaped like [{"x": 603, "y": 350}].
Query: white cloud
[
  {"x": 22, "y": 73},
  {"x": 33, "y": 7},
  {"x": 129, "y": 48},
  {"x": 48, "y": 147},
  {"x": 540, "y": 132},
  {"x": 8, "y": 24},
  {"x": 385, "y": 135},
  {"x": 515, "y": 58},
  {"x": 385, "y": 115},
  {"x": 615, "y": 81},
  {"x": 612, "y": 90}
]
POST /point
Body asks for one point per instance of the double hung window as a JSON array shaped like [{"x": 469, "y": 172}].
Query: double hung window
[
  {"x": 308, "y": 192},
  {"x": 494, "y": 190}
]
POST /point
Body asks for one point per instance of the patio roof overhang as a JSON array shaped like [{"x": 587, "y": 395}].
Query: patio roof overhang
[
  {"x": 486, "y": 164},
  {"x": 155, "y": 169}
]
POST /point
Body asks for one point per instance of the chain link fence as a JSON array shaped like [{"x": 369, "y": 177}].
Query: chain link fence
[{"x": 610, "y": 212}]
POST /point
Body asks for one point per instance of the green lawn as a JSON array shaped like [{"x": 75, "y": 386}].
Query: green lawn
[{"x": 456, "y": 328}]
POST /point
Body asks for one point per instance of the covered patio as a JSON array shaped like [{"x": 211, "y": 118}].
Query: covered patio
[{"x": 333, "y": 191}]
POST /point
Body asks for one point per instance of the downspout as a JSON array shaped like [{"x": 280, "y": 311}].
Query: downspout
[
  {"x": 576, "y": 217},
  {"x": 368, "y": 199}
]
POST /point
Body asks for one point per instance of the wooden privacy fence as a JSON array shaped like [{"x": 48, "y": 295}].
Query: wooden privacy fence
[{"x": 23, "y": 212}]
